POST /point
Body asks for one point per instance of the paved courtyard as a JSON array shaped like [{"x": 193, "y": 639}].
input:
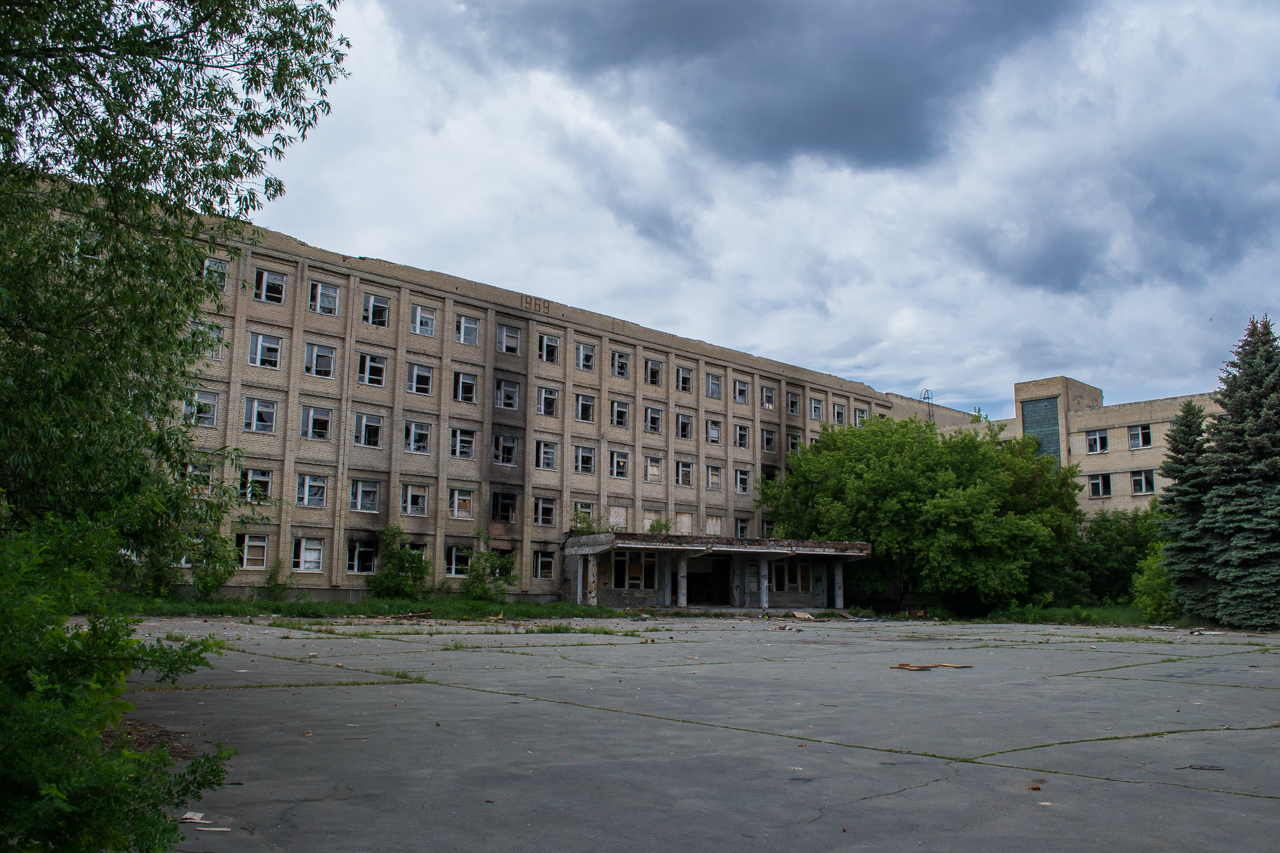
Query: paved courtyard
[{"x": 731, "y": 733}]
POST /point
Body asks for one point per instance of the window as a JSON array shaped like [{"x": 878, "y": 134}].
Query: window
[
  {"x": 417, "y": 437},
  {"x": 1099, "y": 485},
  {"x": 1095, "y": 441},
  {"x": 713, "y": 386},
  {"x": 684, "y": 523},
  {"x": 202, "y": 409},
  {"x": 742, "y": 528},
  {"x": 789, "y": 576},
  {"x": 583, "y": 508},
  {"x": 713, "y": 431},
  {"x": 308, "y": 555},
  {"x": 684, "y": 473},
  {"x": 377, "y": 310},
  {"x": 813, "y": 439},
  {"x": 620, "y": 365},
  {"x": 508, "y": 340},
  {"x": 462, "y": 443},
  {"x": 793, "y": 404},
  {"x": 255, "y": 484},
  {"x": 422, "y": 321},
  {"x": 544, "y": 455},
  {"x": 268, "y": 286},
  {"x": 549, "y": 349},
  {"x": 368, "y": 430},
  {"x": 215, "y": 332},
  {"x": 460, "y": 503},
  {"x": 544, "y": 511},
  {"x": 504, "y": 450},
  {"x": 584, "y": 459},
  {"x": 215, "y": 271},
  {"x": 371, "y": 370},
  {"x": 315, "y": 422},
  {"x": 584, "y": 408},
  {"x": 506, "y": 394},
  {"x": 741, "y": 480},
  {"x": 618, "y": 463},
  {"x": 742, "y": 436},
  {"x": 652, "y": 419},
  {"x": 618, "y": 517},
  {"x": 253, "y": 550},
  {"x": 653, "y": 469},
  {"x": 793, "y": 442},
  {"x": 1143, "y": 482},
  {"x": 264, "y": 350},
  {"x": 324, "y": 299},
  {"x": 413, "y": 499},
  {"x": 456, "y": 561},
  {"x": 312, "y": 490},
  {"x": 544, "y": 565},
  {"x": 768, "y": 441},
  {"x": 815, "y": 409},
  {"x": 259, "y": 415},
  {"x": 766, "y": 529},
  {"x": 364, "y": 495},
  {"x": 684, "y": 426},
  {"x": 766, "y": 399},
  {"x": 464, "y": 387},
  {"x": 361, "y": 556},
  {"x": 586, "y": 356},
  {"x": 652, "y": 372},
  {"x": 618, "y": 413},
  {"x": 548, "y": 398},
  {"x": 502, "y": 507},
  {"x": 741, "y": 391},
  {"x": 684, "y": 379},
  {"x": 859, "y": 415},
  {"x": 467, "y": 330},
  {"x": 1139, "y": 436},
  {"x": 319, "y": 361},
  {"x": 713, "y": 478},
  {"x": 635, "y": 570}
]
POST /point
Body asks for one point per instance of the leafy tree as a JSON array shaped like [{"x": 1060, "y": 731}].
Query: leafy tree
[
  {"x": 1111, "y": 546},
  {"x": 402, "y": 571},
  {"x": 1152, "y": 589},
  {"x": 966, "y": 519},
  {"x": 489, "y": 573},
  {"x": 1240, "y": 526},
  {"x": 134, "y": 138},
  {"x": 1186, "y": 554}
]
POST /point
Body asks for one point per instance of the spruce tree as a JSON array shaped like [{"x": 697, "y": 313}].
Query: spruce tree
[
  {"x": 1195, "y": 590},
  {"x": 1240, "y": 527}
]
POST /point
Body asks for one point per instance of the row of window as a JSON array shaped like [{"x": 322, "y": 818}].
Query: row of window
[
  {"x": 362, "y": 554},
  {"x": 639, "y": 570},
  {"x": 1095, "y": 441},
  {"x": 1140, "y": 483}
]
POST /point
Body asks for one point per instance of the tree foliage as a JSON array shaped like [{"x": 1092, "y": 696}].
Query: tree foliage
[
  {"x": 402, "y": 571},
  {"x": 967, "y": 520},
  {"x": 490, "y": 574},
  {"x": 1110, "y": 548},
  {"x": 1224, "y": 508},
  {"x": 134, "y": 138}
]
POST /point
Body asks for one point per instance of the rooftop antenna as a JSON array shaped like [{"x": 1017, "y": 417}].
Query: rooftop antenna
[{"x": 926, "y": 397}]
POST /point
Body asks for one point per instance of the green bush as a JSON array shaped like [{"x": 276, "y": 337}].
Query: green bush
[
  {"x": 489, "y": 574},
  {"x": 402, "y": 572},
  {"x": 1153, "y": 589},
  {"x": 1109, "y": 550}
]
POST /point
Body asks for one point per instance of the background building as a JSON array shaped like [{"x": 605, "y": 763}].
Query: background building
[
  {"x": 1118, "y": 448},
  {"x": 364, "y": 393}
]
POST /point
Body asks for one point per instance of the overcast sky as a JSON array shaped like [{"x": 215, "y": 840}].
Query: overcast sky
[{"x": 910, "y": 193}]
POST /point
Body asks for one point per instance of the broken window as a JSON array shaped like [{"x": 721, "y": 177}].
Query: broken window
[
  {"x": 362, "y": 555},
  {"x": 768, "y": 441},
  {"x": 264, "y": 350},
  {"x": 504, "y": 449},
  {"x": 420, "y": 376},
  {"x": 509, "y": 340},
  {"x": 789, "y": 576},
  {"x": 766, "y": 399},
  {"x": 586, "y": 357},
  {"x": 462, "y": 443},
  {"x": 464, "y": 387},
  {"x": 413, "y": 499},
  {"x": 585, "y": 408},
  {"x": 741, "y": 391},
  {"x": 544, "y": 455},
  {"x": 371, "y": 370},
  {"x": 417, "y": 437},
  {"x": 815, "y": 409},
  {"x": 548, "y": 398},
  {"x": 652, "y": 419},
  {"x": 549, "y": 349},
  {"x": 859, "y": 416},
  {"x": 544, "y": 511},
  {"x": 253, "y": 550},
  {"x": 742, "y": 436},
  {"x": 713, "y": 386},
  {"x": 1099, "y": 485},
  {"x": 259, "y": 415},
  {"x": 268, "y": 286},
  {"x": 1143, "y": 482},
  {"x": 684, "y": 379},
  {"x": 1095, "y": 441},
  {"x": 315, "y": 422},
  {"x": 308, "y": 554},
  {"x": 684, "y": 426},
  {"x": 467, "y": 330},
  {"x": 741, "y": 480},
  {"x": 319, "y": 361},
  {"x": 652, "y": 372},
  {"x": 312, "y": 490},
  {"x": 653, "y": 469},
  {"x": 684, "y": 473},
  {"x": 422, "y": 321},
  {"x": 618, "y": 413},
  {"x": 713, "y": 478},
  {"x": 215, "y": 271},
  {"x": 460, "y": 503},
  {"x": 324, "y": 299},
  {"x": 202, "y": 409},
  {"x": 793, "y": 442},
  {"x": 502, "y": 508},
  {"x": 618, "y": 463},
  {"x": 368, "y": 430},
  {"x": 584, "y": 459},
  {"x": 621, "y": 364},
  {"x": 713, "y": 431},
  {"x": 635, "y": 570},
  {"x": 506, "y": 394},
  {"x": 838, "y": 414},
  {"x": 364, "y": 495},
  {"x": 743, "y": 528},
  {"x": 1139, "y": 436},
  {"x": 377, "y": 310},
  {"x": 255, "y": 484},
  {"x": 793, "y": 404},
  {"x": 456, "y": 561},
  {"x": 544, "y": 565}
]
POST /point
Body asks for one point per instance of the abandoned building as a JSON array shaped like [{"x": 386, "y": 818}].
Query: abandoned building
[{"x": 363, "y": 393}]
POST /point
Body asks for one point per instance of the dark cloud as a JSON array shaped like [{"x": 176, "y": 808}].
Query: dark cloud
[{"x": 862, "y": 82}]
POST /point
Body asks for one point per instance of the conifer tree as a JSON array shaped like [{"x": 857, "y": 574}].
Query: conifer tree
[
  {"x": 1240, "y": 527},
  {"x": 1195, "y": 590}
]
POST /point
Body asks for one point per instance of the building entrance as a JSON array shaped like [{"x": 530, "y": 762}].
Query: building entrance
[{"x": 710, "y": 581}]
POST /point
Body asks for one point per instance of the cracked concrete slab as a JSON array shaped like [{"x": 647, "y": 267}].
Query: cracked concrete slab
[{"x": 734, "y": 734}]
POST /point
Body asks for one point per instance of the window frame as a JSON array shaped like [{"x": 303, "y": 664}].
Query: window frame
[
  {"x": 250, "y": 477},
  {"x": 308, "y": 486},
  {"x": 742, "y": 436},
  {"x": 310, "y": 415},
  {"x": 714, "y": 385},
  {"x": 254, "y": 407},
  {"x": 715, "y": 477},
  {"x": 620, "y": 414},
  {"x": 313, "y": 352},
  {"x": 548, "y": 348},
  {"x": 462, "y": 443},
  {"x": 499, "y": 511},
  {"x": 1096, "y": 441},
  {"x": 422, "y": 320},
  {"x": 619, "y": 463},
  {"x": 360, "y": 489},
  {"x": 506, "y": 394},
  {"x": 301, "y": 546},
  {"x": 457, "y": 560},
  {"x": 408, "y": 505},
  {"x": 507, "y": 339},
  {"x": 619, "y": 364},
  {"x": 684, "y": 474},
  {"x": 245, "y": 541},
  {"x": 544, "y": 511},
  {"x": 200, "y": 410},
  {"x": 366, "y": 425},
  {"x": 460, "y": 501},
  {"x": 581, "y": 453},
  {"x": 411, "y": 433},
  {"x": 316, "y": 299},
  {"x": 653, "y": 469},
  {"x": 263, "y": 280},
  {"x": 793, "y": 404},
  {"x": 260, "y": 341},
  {"x": 544, "y": 565},
  {"x": 546, "y": 395},
  {"x": 368, "y": 366},
  {"x": 684, "y": 426},
  {"x": 466, "y": 330},
  {"x": 653, "y": 420},
  {"x": 714, "y": 430},
  {"x": 1140, "y": 437},
  {"x": 768, "y": 398},
  {"x": 684, "y": 379},
  {"x": 1099, "y": 485},
  {"x": 817, "y": 408},
  {"x": 461, "y": 381},
  {"x": 376, "y": 308},
  {"x": 546, "y": 454},
  {"x": 1142, "y": 481},
  {"x": 839, "y": 414},
  {"x": 584, "y": 357},
  {"x": 742, "y": 481},
  {"x": 768, "y": 441},
  {"x": 653, "y": 372},
  {"x": 589, "y": 402},
  {"x": 414, "y": 371},
  {"x": 355, "y": 549},
  {"x": 503, "y": 443}
]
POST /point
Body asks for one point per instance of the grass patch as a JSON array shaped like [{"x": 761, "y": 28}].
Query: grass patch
[
  {"x": 446, "y": 607},
  {"x": 175, "y": 637},
  {"x": 455, "y": 646},
  {"x": 1110, "y": 615}
]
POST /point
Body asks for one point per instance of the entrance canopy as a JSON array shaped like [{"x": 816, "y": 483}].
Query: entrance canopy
[{"x": 696, "y": 546}]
